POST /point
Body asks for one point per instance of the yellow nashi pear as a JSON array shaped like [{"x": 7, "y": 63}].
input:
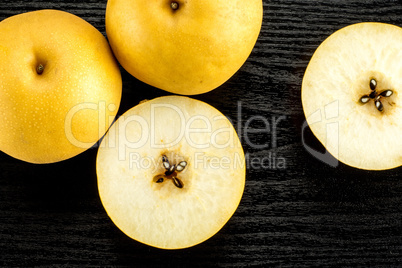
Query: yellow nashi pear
[
  {"x": 352, "y": 95},
  {"x": 185, "y": 47},
  {"x": 171, "y": 172},
  {"x": 60, "y": 86}
]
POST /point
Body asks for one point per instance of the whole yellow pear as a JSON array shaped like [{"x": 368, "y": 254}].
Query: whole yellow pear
[
  {"x": 60, "y": 86},
  {"x": 184, "y": 46}
]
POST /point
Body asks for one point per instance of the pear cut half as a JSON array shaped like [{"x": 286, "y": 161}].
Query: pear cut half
[
  {"x": 351, "y": 95},
  {"x": 171, "y": 172}
]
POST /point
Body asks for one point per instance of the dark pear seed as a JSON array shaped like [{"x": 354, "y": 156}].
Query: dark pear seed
[
  {"x": 172, "y": 168},
  {"x": 177, "y": 182},
  {"x": 373, "y": 84},
  {"x": 387, "y": 93},
  {"x": 365, "y": 99},
  {"x": 181, "y": 166},
  {"x": 165, "y": 162},
  {"x": 379, "y": 105},
  {"x": 166, "y": 165}
]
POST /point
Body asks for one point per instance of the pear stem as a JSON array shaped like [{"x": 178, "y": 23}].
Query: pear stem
[
  {"x": 174, "y": 5},
  {"x": 40, "y": 68}
]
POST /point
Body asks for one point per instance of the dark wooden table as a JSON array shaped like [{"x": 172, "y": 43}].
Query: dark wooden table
[{"x": 296, "y": 210}]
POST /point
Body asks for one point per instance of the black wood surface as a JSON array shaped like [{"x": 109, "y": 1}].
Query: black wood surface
[{"x": 297, "y": 211}]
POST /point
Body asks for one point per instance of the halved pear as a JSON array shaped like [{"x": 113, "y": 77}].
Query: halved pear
[
  {"x": 351, "y": 95},
  {"x": 171, "y": 172}
]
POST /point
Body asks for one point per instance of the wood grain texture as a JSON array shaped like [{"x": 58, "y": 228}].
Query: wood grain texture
[{"x": 301, "y": 213}]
